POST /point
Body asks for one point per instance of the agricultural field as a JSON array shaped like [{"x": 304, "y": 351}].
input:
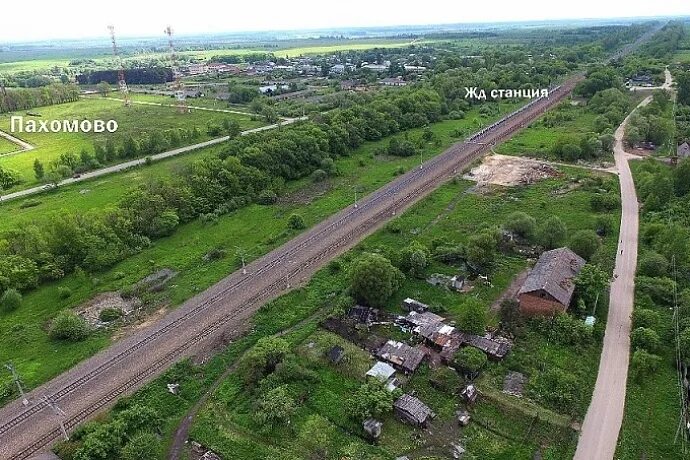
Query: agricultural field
[
  {"x": 502, "y": 426},
  {"x": 256, "y": 228},
  {"x": 133, "y": 122}
]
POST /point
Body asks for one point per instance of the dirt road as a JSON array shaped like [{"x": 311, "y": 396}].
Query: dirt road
[
  {"x": 24, "y": 146},
  {"x": 605, "y": 414},
  {"x": 130, "y": 164}
]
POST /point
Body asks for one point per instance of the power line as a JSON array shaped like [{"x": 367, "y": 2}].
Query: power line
[
  {"x": 58, "y": 413},
  {"x": 18, "y": 382}
]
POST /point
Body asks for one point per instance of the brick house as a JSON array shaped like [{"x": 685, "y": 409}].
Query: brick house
[{"x": 549, "y": 287}]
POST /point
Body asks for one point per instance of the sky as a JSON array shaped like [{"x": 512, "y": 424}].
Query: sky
[{"x": 51, "y": 19}]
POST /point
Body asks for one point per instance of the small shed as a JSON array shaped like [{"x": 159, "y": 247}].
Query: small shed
[
  {"x": 683, "y": 150},
  {"x": 469, "y": 393},
  {"x": 372, "y": 428},
  {"x": 362, "y": 314},
  {"x": 401, "y": 355},
  {"x": 463, "y": 417},
  {"x": 413, "y": 411},
  {"x": 383, "y": 373},
  {"x": 336, "y": 354},
  {"x": 414, "y": 305}
]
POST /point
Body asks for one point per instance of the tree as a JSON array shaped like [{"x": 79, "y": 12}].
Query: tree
[
  {"x": 585, "y": 243},
  {"x": 473, "y": 317},
  {"x": 643, "y": 338},
  {"x": 521, "y": 224},
  {"x": 372, "y": 399},
  {"x": 262, "y": 359},
  {"x": 39, "y": 172},
  {"x": 296, "y": 222},
  {"x": 510, "y": 315},
  {"x": 374, "y": 279},
  {"x": 607, "y": 142},
  {"x": 414, "y": 259},
  {"x": 143, "y": 445},
  {"x": 558, "y": 389},
  {"x": 653, "y": 264},
  {"x": 553, "y": 233},
  {"x": 681, "y": 178},
  {"x": 232, "y": 128},
  {"x": 646, "y": 318},
  {"x": 10, "y": 300},
  {"x": 103, "y": 88},
  {"x": 481, "y": 251},
  {"x": 69, "y": 326},
  {"x": 470, "y": 361},
  {"x": 685, "y": 346},
  {"x": 590, "y": 282},
  {"x": 643, "y": 364},
  {"x": 8, "y": 178},
  {"x": 275, "y": 406}
]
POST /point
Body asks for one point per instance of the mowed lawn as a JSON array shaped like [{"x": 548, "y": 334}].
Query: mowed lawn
[{"x": 138, "y": 121}]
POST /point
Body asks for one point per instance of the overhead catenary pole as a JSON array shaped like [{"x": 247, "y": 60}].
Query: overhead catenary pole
[
  {"x": 58, "y": 412},
  {"x": 18, "y": 382},
  {"x": 178, "y": 86},
  {"x": 121, "y": 83}
]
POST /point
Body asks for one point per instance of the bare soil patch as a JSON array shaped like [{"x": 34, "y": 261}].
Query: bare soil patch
[
  {"x": 511, "y": 171},
  {"x": 91, "y": 310}
]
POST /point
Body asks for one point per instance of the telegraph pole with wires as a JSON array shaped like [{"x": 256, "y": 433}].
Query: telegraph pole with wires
[
  {"x": 18, "y": 382},
  {"x": 682, "y": 420},
  {"x": 180, "y": 94},
  {"x": 121, "y": 83},
  {"x": 58, "y": 412}
]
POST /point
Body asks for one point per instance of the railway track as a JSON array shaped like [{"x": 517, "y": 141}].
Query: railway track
[{"x": 97, "y": 383}]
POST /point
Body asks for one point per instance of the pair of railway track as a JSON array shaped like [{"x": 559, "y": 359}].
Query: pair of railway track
[{"x": 266, "y": 279}]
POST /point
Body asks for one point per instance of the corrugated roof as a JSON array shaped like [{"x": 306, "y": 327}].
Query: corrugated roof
[
  {"x": 554, "y": 273},
  {"x": 401, "y": 354}
]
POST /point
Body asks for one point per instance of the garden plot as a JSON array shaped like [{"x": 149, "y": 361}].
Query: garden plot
[{"x": 511, "y": 171}]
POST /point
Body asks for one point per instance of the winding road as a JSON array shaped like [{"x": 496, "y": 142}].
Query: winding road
[{"x": 600, "y": 429}]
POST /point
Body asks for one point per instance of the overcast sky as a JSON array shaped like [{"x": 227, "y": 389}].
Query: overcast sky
[{"x": 52, "y": 19}]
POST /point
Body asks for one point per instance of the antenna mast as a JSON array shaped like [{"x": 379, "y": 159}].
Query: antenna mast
[
  {"x": 121, "y": 70},
  {"x": 178, "y": 86}
]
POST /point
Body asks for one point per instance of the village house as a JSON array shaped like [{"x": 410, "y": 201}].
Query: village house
[
  {"x": 550, "y": 285},
  {"x": 414, "y": 68},
  {"x": 401, "y": 356},
  {"x": 413, "y": 411},
  {"x": 415, "y": 319},
  {"x": 397, "y": 81}
]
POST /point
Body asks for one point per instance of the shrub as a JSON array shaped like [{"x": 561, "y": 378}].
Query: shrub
[
  {"x": 275, "y": 407},
  {"x": 643, "y": 364},
  {"x": 10, "y": 300},
  {"x": 643, "y": 317},
  {"x": 69, "y": 326},
  {"x": 267, "y": 196},
  {"x": 64, "y": 292},
  {"x": 521, "y": 224},
  {"x": 473, "y": 317},
  {"x": 470, "y": 361},
  {"x": 319, "y": 175},
  {"x": 296, "y": 222},
  {"x": 653, "y": 264},
  {"x": 372, "y": 399},
  {"x": 585, "y": 243},
  {"x": 643, "y": 338},
  {"x": 553, "y": 233},
  {"x": 142, "y": 446},
  {"x": 110, "y": 314}
]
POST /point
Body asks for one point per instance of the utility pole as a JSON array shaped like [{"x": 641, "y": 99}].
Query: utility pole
[
  {"x": 59, "y": 413},
  {"x": 242, "y": 253},
  {"x": 421, "y": 160},
  {"x": 18, "y": 382},
  {"x": 122, "y": 84}
]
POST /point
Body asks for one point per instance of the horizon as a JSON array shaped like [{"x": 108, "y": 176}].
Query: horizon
[{"x": 242, "y": 20}]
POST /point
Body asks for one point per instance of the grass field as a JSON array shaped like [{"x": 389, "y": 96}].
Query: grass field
[
  {"x": 504, "y": 428},
  {"x": 255, "y": 228},
  {"x": 135, "y": 121},
  {"x": 454, "y": 212},
  {"x": 7, "y": 146}
]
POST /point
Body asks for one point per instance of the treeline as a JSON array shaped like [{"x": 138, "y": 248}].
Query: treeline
[
  {"x": 137, "y": 76},
  {"x": 28, "y": 98},
  {"x": 665, "y": 42}
]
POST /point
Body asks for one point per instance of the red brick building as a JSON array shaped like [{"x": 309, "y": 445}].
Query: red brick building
[{"x": 549, "y": 287}]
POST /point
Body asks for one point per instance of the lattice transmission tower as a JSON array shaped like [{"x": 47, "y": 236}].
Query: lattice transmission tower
[
  {"x": 121, "y": 83},
  {"x": 178, "y": 86}
]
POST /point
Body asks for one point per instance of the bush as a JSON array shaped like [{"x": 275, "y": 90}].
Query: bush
[
  {"x": 144, "y": 445},
  {"x": 553, "y": 233},
  {"x": 69, "y": 326},
  {"x": 521, "y": 224},
  {"x": 473, "y": 317},
  {"x": 319, "y": 175},
  {"x": 110, "y": 314},
  {"x": 643, "y": 364},
  {"x": 10, "y": 300},
  {"x": 372, "y": 399},
  {"x": 414, "y": 259},
  {"x": 605, "y": 202},
  {"x": 267, "y": 196},
  {"x": 646, "y": 318},
  {"x": 275, "y": 407},
  {"x": 653, "y": 264},
  {"x": 64, "y": 292},
  {"x": 558, "y": 389},
  {"x": 585, "y": 243},
  {"x": 643, "y": 338},
  {"x": 296, "y": 222},
  {"x": 470, "y": 361}
]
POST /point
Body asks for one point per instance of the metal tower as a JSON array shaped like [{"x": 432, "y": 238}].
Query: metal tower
[
  {"x": 121, "y": 83},
  {"x": 180, "y": 95}
]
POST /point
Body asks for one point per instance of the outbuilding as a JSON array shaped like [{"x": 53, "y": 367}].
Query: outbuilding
[{"x": 413, "y": 411}]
